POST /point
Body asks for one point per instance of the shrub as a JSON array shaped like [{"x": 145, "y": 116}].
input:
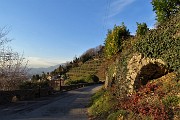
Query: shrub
[
  {"x": 146, "y": 102},
  {"x": 171, "y": 101},
  {"x": 120, "y": 115},
  {"x": 163, "y": 43},
  {"x": 92, "y": 79},
  {"x": 114, "y": 39},
  {"x": 44, "y": 84},
  {"x": 70, "y": 82},
  {"x": 34, "y": 85},
  {"x": 142, "y": 29},
  {"x": 27, "y": 85}
]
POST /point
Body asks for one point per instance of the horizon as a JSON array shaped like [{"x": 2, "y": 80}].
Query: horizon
[{"x": 54, "y": 32}]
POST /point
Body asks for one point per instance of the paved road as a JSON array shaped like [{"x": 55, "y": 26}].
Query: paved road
[{"x": 71, "y": 105}]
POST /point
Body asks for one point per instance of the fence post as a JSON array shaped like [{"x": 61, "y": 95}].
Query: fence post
[{"x": 60, "y": 84}]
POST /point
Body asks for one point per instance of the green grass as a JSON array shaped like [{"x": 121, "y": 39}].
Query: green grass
[
  {"x": 117, "y": 115},
  {"x": 102, "y": 105}
]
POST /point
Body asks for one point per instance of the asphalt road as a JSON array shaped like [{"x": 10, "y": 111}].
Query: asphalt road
[{"x": 71, "y": 105}]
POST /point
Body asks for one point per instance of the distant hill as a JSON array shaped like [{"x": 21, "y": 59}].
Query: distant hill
[
  {"x": 34, "y": 71},
  {"x": 80, "y": 68}
]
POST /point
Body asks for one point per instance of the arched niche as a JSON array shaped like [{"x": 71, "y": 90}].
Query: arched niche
[
  {"x": 142, "y": 69},
  {"x": 149, "y": 72}
]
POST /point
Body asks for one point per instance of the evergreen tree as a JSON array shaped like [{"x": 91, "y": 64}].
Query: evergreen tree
[
  {"x": 165, "y": 8},
  {"x": 142, "y": 29}
]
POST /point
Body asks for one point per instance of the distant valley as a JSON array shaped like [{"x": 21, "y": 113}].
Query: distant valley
[{"x": 34, "y": 71}]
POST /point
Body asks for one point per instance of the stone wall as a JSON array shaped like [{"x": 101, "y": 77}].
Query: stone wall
[
  {"x": 141, "y": 70},
  {"x": 137, "y": 71},
  {"x": 30, "y": 94}
]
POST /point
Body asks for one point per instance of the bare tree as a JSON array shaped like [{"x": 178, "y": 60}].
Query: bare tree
[
  {"x": 13, "y": 68},
  {"x": 91, "y": 53}
]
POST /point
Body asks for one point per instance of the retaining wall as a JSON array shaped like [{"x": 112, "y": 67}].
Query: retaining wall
[{"x": 30, "y": 94}]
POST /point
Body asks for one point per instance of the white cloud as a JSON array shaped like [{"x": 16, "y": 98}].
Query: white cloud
[
  {"x": 36, "y": 62},
  {"x": 117, "y": 6}
]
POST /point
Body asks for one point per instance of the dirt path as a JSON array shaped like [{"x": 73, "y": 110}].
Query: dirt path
[{"x": 70, "y": 105}]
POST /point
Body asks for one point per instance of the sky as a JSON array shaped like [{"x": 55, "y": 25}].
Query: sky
[{"x": 50, "y": 32}]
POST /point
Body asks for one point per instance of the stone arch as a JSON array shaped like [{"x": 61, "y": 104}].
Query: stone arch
[
  {"x": 149, "y": 72},
  {"x": 141, "y": 70}
]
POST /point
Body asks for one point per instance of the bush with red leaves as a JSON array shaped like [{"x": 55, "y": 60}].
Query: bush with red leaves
[{"x": 147, "y": 101}]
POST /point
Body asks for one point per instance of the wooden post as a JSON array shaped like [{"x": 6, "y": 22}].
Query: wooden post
[{"x": 59, "y": 84}]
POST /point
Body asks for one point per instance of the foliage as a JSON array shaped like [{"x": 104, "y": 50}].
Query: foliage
[
  {"x": 155, "y": 99},
  {"x": 163, "y": 43},
  {"x": 80, "y": 68},
  {"x": 33, "y": 85},
  {"x": 71, "y": 82},
  {"x": 165, "y": 8},
  {"x": 27, "y": 85},
  {"x": 118, "y": 115},
  {"x": 171, "y": 101},
  {"x": 90, "y": 67},
  {"x": 97, "y": 95},
  {"x": 102, "y": 105},
  {"x": 114, "y": 39},
  {"x": 88, "y": 79},
  {"x": 118, "y": 67},
  {"x": 13, "y": 67},
  {"x": 146, "y": 104},
  {"x": 142, "y": 29},
  {"x": 36, "y": 77},
  {"x": 92, "y": 52},
  {"x": 158, "y": 99},
  {"x": 85, "y": 57},
  {"x": 92, "y": 79},
  {"x": 60, "y": 70}
]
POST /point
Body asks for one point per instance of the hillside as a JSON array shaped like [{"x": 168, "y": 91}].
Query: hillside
[
  {"x": 90, "y": 67},
  {"x": 83, "y": 69},
  {"x": 143, "y": 77}
]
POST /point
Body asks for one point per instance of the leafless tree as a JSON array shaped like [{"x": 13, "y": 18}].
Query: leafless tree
[{"x": 13, "y": 68}]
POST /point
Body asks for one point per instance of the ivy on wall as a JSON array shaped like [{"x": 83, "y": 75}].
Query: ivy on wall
[{"x": 163, "y": 43}]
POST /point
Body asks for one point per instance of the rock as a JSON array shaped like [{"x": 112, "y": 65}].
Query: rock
[{"x": 141, "y": 70}]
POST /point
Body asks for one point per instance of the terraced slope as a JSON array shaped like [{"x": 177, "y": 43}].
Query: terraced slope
[{"x": 90, "y": 67}]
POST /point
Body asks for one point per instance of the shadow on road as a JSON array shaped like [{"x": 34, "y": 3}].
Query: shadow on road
[{"x": 71, "y": 105}]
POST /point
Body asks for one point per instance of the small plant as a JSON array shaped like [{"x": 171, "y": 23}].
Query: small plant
[
  {"x": 171, "y": 101},
  {"x": 120, "y": 115}
]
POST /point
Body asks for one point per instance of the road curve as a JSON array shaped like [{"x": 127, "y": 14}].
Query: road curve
[{"x": 71, "y": 105}]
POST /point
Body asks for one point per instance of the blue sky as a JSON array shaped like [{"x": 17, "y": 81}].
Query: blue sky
[{"x": 50, "y": 32}]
